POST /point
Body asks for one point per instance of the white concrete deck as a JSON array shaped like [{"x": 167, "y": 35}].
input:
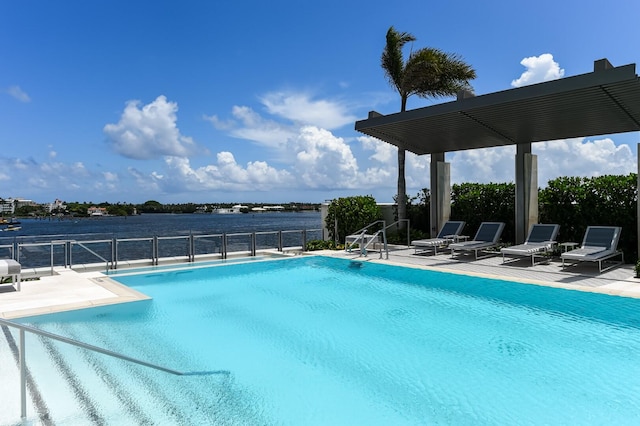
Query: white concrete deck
[
  {"x": 66, "y": 290},
  {"x": 618, "y": 281}
]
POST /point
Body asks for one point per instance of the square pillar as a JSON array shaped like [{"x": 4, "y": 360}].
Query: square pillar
[
  {"x": 526, "y": 191},
  {"x": 440, "y": 192}
]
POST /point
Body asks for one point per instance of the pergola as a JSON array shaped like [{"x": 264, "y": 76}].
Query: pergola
[{"x": 602, "y": 102}]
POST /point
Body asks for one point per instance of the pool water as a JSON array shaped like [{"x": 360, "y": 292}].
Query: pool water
[{"x": 321, "y": 341}]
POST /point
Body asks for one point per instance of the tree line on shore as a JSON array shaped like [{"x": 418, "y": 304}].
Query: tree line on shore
[{"x": 80, "y": 209}]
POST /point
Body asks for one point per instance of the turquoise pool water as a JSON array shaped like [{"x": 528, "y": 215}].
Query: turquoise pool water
[{"x": 320, "y": 341}]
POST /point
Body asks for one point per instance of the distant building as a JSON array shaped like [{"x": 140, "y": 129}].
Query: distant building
[
  {"x": 57, "y": 205},
  {"x": 97, "y": 211},
  {"x": 7, "y": 206}
]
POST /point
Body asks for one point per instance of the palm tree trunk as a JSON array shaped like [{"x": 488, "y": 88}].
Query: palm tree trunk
[{"x": 401, "y": 197}]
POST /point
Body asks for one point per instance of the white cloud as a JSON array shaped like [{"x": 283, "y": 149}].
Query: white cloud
[
  {"x": 539, "y": 68},
  {"x": 570, "y": 157},
  {"x": 19, "y": 94},
  {"x": 301, "y": 109},
  {"x": 110, "y": 177},
  {"x": 583, "y": 157},
  {"x": 383, "y": 152},
  {"x": 149, "y": 132},
  {"x": 323, "y": 160},
  {"x": 226, "y": 174}
]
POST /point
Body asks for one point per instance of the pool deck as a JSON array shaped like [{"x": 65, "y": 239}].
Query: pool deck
[
  {"x": 68, "y": 289},
  {"x": 64, "y": 291}
]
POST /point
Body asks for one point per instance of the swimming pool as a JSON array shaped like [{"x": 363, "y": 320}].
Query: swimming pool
[{"x": 314, "y": 340}]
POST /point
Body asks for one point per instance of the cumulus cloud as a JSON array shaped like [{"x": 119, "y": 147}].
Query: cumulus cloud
[
  {"x": 19, "y": 94},
  {"x": 226, "y": 174},
  {"x": 321, "y": 159},
  {"x": 539, "y": 68},
  {"x": 382, "y": 152},
  {"x": 570, "y": 157},
  {"x": 583, "y": 157},
  {"x": 301, "y": 108},
  {"x": 290, "y": 111},
  {"x": 483, "y": 165},
  {"x": 149, "y": 132}
]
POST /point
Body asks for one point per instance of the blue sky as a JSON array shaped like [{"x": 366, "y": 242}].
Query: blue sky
[{"x": 247, "y": 101}]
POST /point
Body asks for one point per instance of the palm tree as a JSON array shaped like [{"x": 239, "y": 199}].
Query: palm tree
[{"x": 428, "y": 73}]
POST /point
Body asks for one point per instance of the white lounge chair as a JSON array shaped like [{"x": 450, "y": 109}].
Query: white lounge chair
[
  {"x": 539, "y": 242},
  {"x": 447, "y": 235},
  {"x": 487, "y": 237},
  {"x": 10, "y": 267},
  {"x": 600, "y": 243}
]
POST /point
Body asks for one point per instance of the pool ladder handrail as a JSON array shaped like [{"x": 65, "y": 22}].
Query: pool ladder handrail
[
  {"x": 362, "y": 238},
  {"x": 23, "y": 368}
]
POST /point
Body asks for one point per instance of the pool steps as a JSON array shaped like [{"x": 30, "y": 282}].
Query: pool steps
[{"x": 117, "y": 392}]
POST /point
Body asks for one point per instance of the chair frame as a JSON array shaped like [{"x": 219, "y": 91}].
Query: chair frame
[
  {"x": 476, "y": 245},
  {"x": 441, "y": 241},
  {"x": 608, "y": 253},
  {"x": 539, "y": 249}
]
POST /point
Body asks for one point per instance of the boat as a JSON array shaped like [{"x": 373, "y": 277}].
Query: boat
[
  {"x": 13, "y": 221},
  {"x": 237, "y": 209},
  {"x": 12, "y": 227}
]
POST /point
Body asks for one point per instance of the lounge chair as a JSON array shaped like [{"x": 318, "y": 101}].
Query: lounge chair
[
  {"x": 600, "y": 243},
  {"x": 10, "y": 267},
  {"x": 447, "y": 235},
  {"x": 539, "y": 242},
  {"x": 487, "y": 237}
]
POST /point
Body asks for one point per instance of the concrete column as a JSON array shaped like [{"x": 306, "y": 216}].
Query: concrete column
[
  {"x": 526, "y": 191},
  {"x": 440, "y": 190}
]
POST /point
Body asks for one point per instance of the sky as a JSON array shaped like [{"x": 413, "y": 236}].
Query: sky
[{"x": 254, "y": 101}]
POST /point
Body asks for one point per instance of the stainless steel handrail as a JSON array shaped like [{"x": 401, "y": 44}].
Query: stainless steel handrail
[
  {"x": 22, "y": 356},
  {"x": 361, "y": 236},
  {"x": 81, "y": 244}
]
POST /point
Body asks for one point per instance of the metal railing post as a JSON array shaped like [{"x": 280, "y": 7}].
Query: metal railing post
[
  {"x": 51, "y": 257},
  {"x": 224, "y": 246},
  {"x": 192, "y": 249},
  {"x": 114, "y": 253},
  {"x": 68, "y": 254},
  {"x": 304, "y": 240},
  {"x": 253, "y": 244},
  {"x": 154, "y": 251},
  {"x": 23, "y": 376},
  {"x": 280, "y": 245}
]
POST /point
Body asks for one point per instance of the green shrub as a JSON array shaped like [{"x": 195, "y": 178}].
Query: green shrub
[
  {"x": 314, "y": 245},
  {"x": 348, "y": 215}
]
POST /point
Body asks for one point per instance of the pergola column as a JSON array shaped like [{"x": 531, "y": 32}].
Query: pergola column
[
  {"x": 526, "y": 190},
  {"x": 440, "y": 207}
]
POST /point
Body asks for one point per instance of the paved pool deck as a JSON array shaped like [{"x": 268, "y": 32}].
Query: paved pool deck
[{"x": 68, "y": 289}]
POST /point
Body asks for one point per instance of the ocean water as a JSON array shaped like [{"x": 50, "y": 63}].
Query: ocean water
[
  {"x": 319, "y": 341},
  {"x": 165, "y": 225}
]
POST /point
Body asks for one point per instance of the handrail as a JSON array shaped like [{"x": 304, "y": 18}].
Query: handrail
[
  {"x": 408, "y": 229},
  {"x": 363, "y": 244},
  {"x": 30, "y": 329},
  {"x": 92, "y": 252}
]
